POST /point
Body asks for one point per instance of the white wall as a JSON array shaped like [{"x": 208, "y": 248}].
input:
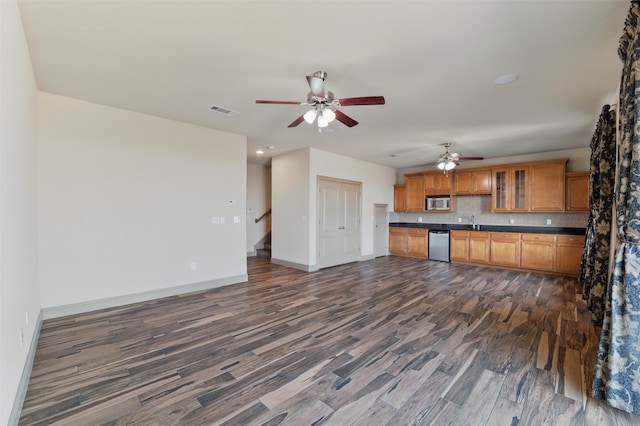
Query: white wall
[
  {"x": 259, "y": 201},
  {"x": 126, "y": 202},
  {"x": 290, "y": 225},
  {"x": 19, "y": 292},
  {"x": 295, "y": 177}
]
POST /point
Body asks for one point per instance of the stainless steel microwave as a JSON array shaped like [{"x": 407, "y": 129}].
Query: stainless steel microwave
[{"x": 438, "y": 203}]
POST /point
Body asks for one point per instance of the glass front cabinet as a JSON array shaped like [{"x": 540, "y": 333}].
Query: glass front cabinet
[{"x": 510, "y": 189}]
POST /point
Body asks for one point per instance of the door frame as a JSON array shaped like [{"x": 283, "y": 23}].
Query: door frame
[{"x": 385, "y": 232}]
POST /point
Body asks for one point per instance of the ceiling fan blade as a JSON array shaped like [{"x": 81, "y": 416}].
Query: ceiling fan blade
[
  {"x": 362, "y": 100},
  {"x": 316, "y": 84},
  {"x": 297, "y": 121},
  {"x": 259, "y": 101},
  {"x": 470, "y": 158},
  {"x": 345, "y": 119}
]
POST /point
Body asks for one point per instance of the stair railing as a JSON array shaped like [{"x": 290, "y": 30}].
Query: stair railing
[{"x": 265, "y": 214}]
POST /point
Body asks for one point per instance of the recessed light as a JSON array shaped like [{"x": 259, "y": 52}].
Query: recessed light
[
  {"x": 259, "y": 152},
  {"x": 506, "y": 79}
]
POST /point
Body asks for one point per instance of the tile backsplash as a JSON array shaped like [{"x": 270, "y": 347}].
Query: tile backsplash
[{"x": 480, "y": 207}]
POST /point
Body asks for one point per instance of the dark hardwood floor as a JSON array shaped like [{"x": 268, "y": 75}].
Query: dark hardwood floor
[{"x": 394, "y": 340}]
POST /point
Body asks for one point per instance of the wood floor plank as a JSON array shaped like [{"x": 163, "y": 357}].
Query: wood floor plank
[{"x": 393, "y": 340}]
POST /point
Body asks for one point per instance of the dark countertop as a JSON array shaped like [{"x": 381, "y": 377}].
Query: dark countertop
[{"x": 491, "y": 228}]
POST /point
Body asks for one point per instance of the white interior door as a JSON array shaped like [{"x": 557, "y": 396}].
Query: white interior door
[
  {"x": 338, "y": 222},
  {"x": 380, "y": 231}
]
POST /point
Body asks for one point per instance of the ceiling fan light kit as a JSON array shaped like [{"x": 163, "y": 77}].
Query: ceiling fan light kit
[
  {"x": 324, "y": 105},
  {"x": 448, "y": 161}
]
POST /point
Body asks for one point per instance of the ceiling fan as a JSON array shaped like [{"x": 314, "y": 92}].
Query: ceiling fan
[
  {"x": 450, "y": 160},
  {"x": 324, "y": 106}
]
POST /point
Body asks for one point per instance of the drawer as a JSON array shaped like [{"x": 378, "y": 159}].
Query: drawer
[
  {"x": 459, "y": 234},
  {"x": 571, "y": 239},
  {"x": 539, "y": 237},
  {"x": 479, "y": 235},
  {"x": 505, "y": 236},
  {"x": 417, "y": 232}
]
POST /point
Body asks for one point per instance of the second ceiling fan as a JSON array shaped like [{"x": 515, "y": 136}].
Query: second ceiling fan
[
  {"x": 325, "y": 105},
  {"x": 450, "y": 160}
]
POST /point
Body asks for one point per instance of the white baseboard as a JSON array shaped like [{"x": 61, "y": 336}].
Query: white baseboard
[
  {"x": 21, "y": 393},
  {"x": 111, "y": 302},
  {"x": 294, "y": 265}
]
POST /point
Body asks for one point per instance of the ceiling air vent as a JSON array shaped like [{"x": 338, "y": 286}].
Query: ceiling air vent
[{"x": 225, "y": 111}]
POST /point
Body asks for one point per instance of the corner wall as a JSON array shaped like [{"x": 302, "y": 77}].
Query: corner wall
[{"x": 19, "y": 291}]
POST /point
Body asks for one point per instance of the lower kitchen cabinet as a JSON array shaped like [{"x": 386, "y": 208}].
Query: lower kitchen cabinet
[
  {"x": 409, "y": 242},
  {"x": 479, "y": 247},
  {"x": 459, "y": 246},
  {"x": 505, "y": 249},
  {"x": 569, "y": 253},
  {"x": 417, "y": 242},
  {"x": 538, "y": 251},
  {"x": 398, "y": 241},
  {"x": 470, "y": 246}
]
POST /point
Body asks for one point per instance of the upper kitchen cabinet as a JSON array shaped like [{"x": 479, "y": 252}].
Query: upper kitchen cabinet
[
  {"x": 414, "y": 192},
  {"x": 577, "y": 192},
  {"x": 547, "y": 186},
  {"x": 529, "y": 187},
  {"x": 437, "y": 183},
  {"x": 399, "y": 198},
  {"x": 511, "y": 188},
  {"x": 472, "y": 182}
]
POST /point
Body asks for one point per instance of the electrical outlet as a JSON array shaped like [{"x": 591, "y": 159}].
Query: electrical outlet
[
  {"x": 512, "y": 221},
  {"x": 548, "y": 221},
  {"x": 194, "y": 266}
]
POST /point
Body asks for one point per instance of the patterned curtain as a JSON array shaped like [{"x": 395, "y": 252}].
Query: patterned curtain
[
  {"x": 617, "y": 373},
  {"x": 594, "y": 265}
]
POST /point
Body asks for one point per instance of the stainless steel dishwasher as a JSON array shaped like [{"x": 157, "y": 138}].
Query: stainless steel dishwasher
[{"x": 439, "y": 245}]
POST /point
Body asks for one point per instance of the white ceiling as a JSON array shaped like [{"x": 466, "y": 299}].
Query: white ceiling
[{"x": 435, "y": 62}]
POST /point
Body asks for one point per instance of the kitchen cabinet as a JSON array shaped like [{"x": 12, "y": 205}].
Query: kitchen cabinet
[
  {"x": 479, "y": 247},
  {"x": 398, "y": 241},
  {"x": 547, "y": 186},
  {"x": 409, "y": 242},
  {"x": 577, "y": 192},
  {"x": 470, "y": 246},
  {"x": 569, "y": 253},
  {"x": 417, "y": 242},
  {"x": 511, "y": 189},
  {"x": 399, "y": 198},
  {"x": 472, "y": 182},
  {"x": 437, "y": 183},
  {"x": 459, "y": 246},
  {"x": 505, "y": 249},
  {"x": 529, "y": 187},
  {"x": 538, "y": 251},
  {"x": 414, "y": 186}
]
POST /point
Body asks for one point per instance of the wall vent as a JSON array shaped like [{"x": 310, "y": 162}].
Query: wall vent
[{"x": 223, "y": 110}]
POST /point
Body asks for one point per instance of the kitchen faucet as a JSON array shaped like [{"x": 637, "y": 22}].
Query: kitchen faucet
[{"x": 473, "y": 222}]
